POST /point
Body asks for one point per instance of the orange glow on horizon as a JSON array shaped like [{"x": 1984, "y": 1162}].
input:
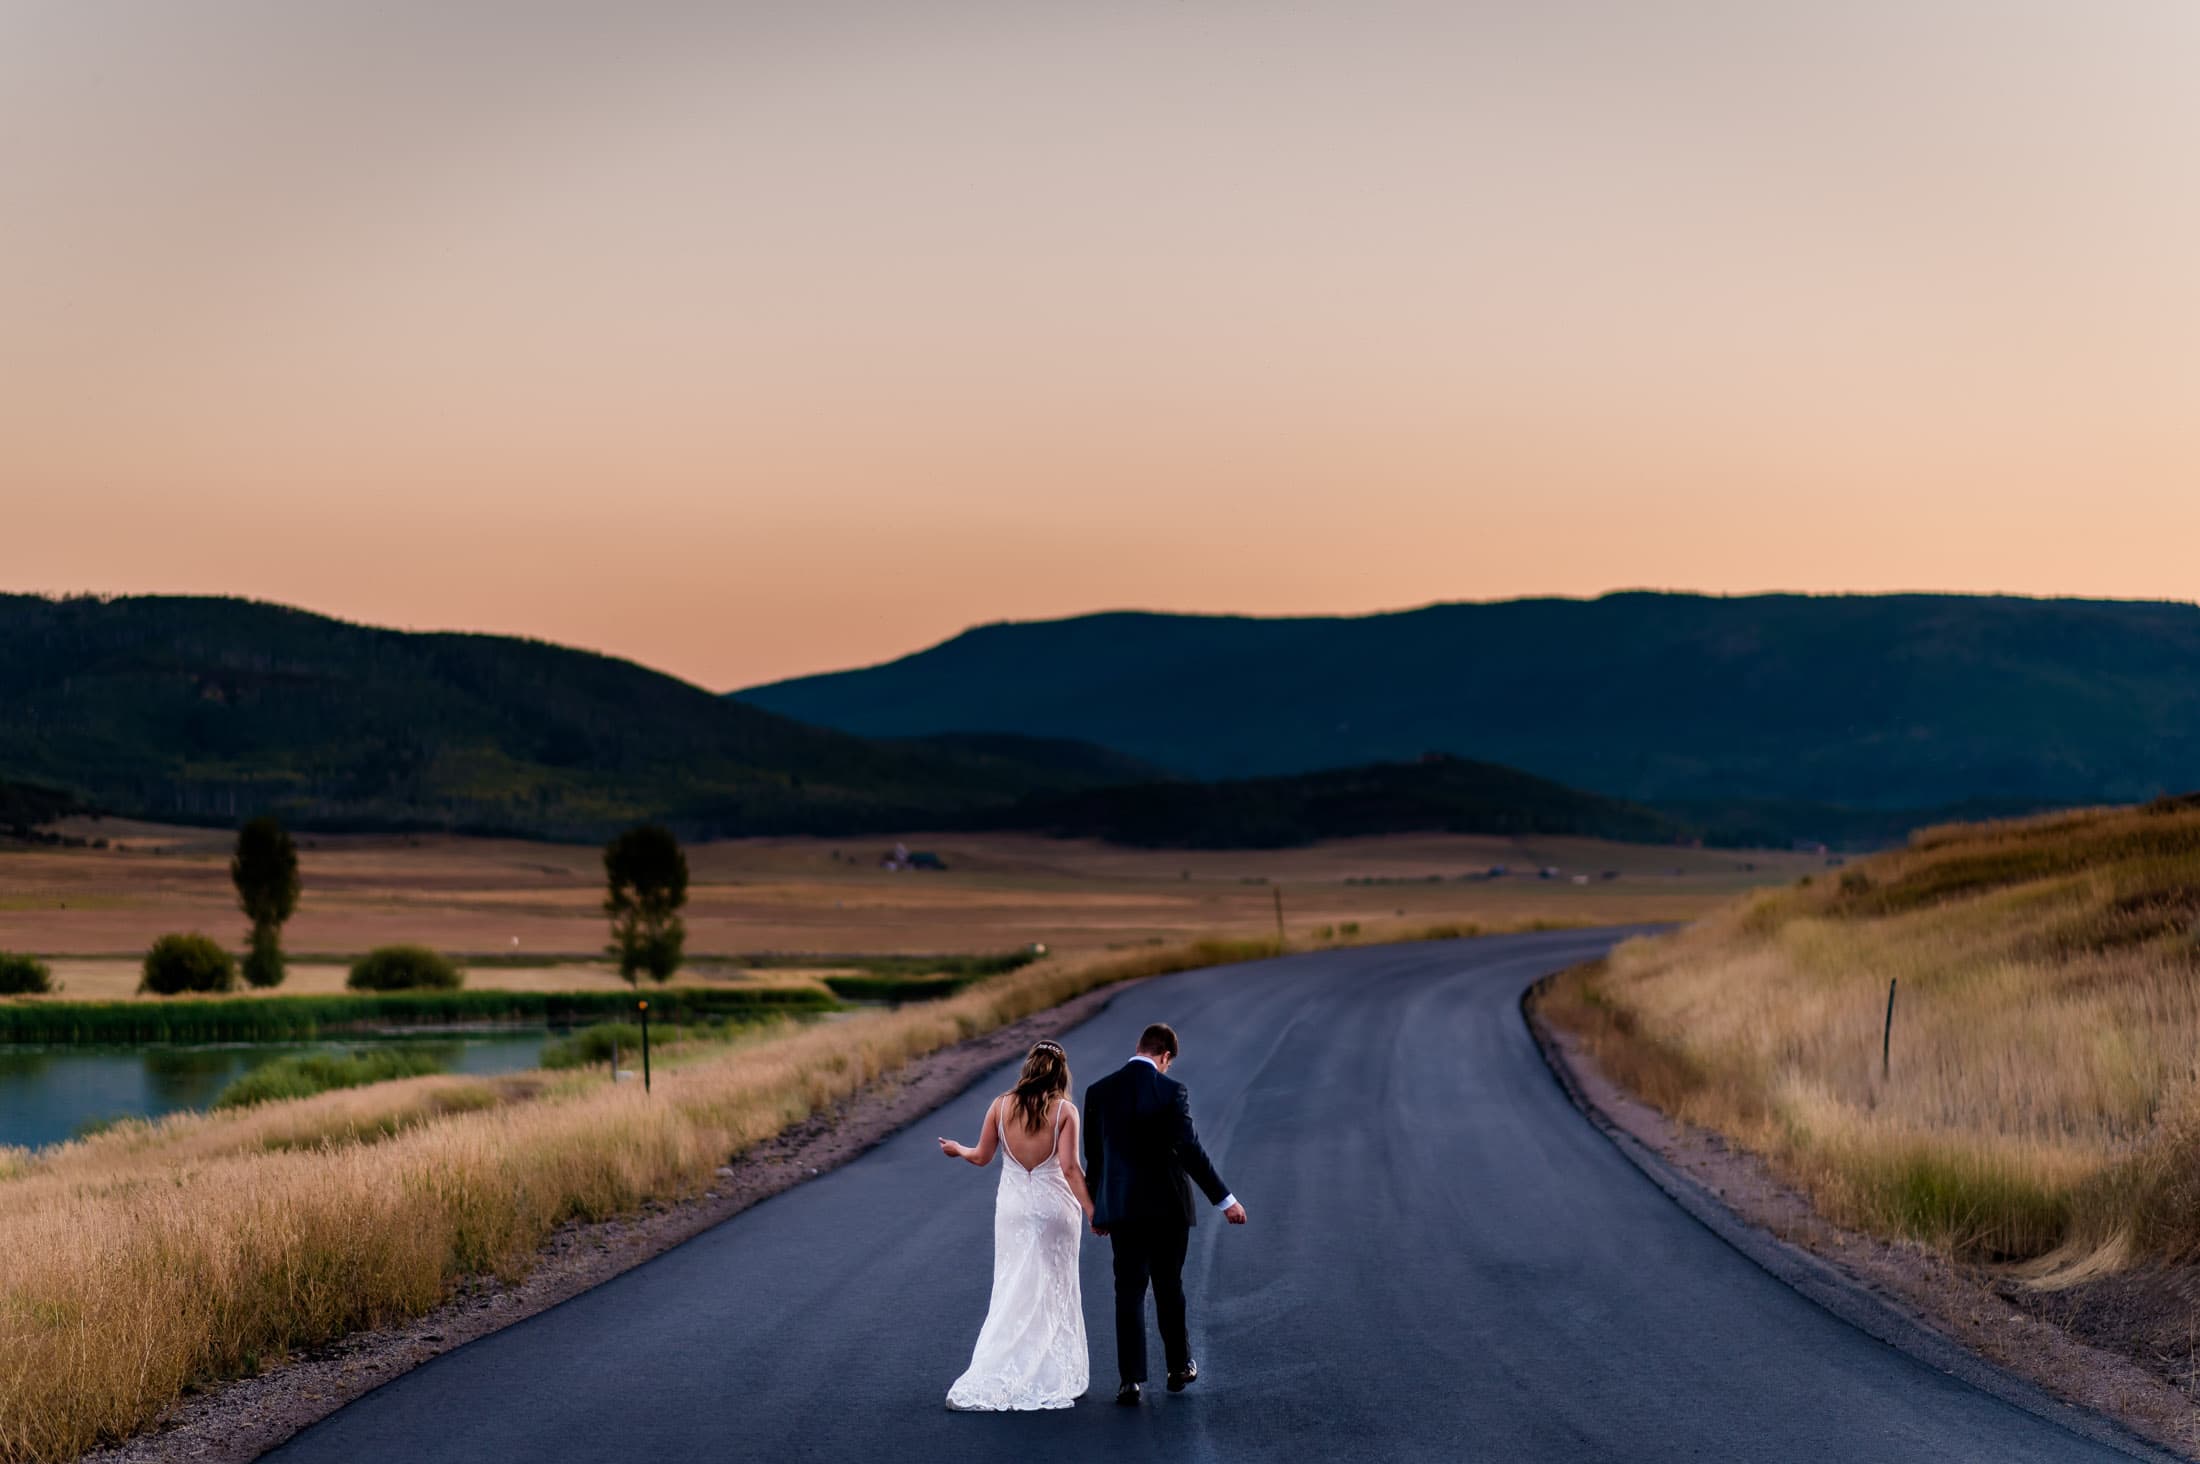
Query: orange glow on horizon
[{"x": 753, "y": 345}]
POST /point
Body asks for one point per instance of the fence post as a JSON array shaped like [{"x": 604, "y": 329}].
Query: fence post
[
  {"x": 1886, "y": 1035},
  {"x": 1278, "y": 891},
  {"x": 645, "y": 1047}
]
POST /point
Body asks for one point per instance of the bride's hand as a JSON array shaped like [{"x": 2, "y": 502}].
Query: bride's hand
[{"x": 952, "y": 1149}]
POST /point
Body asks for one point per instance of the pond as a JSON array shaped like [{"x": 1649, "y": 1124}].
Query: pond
[{"x": 48, "y": 1094}]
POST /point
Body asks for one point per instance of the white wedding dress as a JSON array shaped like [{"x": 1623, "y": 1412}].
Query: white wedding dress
[{"x": 1031, "y": 1352}]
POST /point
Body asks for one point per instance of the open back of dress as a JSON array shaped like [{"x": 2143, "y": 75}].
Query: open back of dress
[{"x": 1031, "y": 1352}]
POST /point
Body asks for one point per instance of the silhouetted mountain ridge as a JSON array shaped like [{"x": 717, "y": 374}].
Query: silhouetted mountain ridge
[
  {"x": 206, "y": 709},
  {"x": 1857, "y": 701}
]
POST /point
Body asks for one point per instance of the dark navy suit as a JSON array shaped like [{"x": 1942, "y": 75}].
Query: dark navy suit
[{"x": 1142, "y": 1157}]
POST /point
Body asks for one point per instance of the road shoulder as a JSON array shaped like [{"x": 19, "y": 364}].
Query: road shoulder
[{"x": 1946, "y": 1316}]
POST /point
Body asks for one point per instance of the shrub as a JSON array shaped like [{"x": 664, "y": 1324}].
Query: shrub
[
  {"x": 404, "y": 968},
  {"x": 178, "y": 963},
  {"x": 302, "y": 1077},
  {"x": 24, "y": 975},
  {"x": 592, "y": 1045}
]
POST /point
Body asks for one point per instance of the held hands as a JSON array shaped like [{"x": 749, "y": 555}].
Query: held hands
[{"x": 1235, "y": 1214}]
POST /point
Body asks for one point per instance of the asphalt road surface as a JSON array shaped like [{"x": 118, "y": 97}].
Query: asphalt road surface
[{"x": 1445, "y": 1261}]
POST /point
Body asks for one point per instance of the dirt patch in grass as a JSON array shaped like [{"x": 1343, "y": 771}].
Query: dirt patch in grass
[{"x": 240, "y": 1421}]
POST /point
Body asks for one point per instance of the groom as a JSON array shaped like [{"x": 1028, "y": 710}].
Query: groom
[{"x": 1141, "y": 1160}]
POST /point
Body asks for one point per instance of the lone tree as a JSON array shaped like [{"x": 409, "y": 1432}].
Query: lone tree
[
  {"x": 265, "y": 871},
  {"x": 649, "y": 883}
]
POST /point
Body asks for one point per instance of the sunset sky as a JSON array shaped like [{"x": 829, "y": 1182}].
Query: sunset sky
[{"x": 755, "y": 339}]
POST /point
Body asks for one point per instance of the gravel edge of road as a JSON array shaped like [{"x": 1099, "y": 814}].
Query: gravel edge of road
[
  {"x": 1884, "y": 1318},
  {"x": 238, "y": 1421}
]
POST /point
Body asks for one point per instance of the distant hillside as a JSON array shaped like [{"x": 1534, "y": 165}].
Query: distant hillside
[
  {"x": 1438, "y": 795},
  {"x": 211, "y": 709},
  {"x": 1029, "y": 763},
  {"x": 24, "y": 806},
  {"x": 1899, "y": 701}
]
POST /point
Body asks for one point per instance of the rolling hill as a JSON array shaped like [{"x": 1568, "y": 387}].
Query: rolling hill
[
  {"x": 211, "y": 709},
  {"x": 1851, "y": 702}
]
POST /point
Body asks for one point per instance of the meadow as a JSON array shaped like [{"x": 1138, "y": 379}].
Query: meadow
[
  {"x": 2039, "y": 1105},
  {"x": 151, "y": 1258},
  {"x": 528, "y": 916}
]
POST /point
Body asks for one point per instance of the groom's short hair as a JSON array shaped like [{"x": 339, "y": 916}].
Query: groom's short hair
[{"x": 1159, "y": 1040}]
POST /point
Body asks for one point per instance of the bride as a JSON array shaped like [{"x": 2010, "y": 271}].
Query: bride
[{"x": 1031, "y": 1351}]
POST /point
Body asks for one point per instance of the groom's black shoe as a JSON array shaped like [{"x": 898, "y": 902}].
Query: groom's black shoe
[
  {"x": 1179, "y": 1381},
  {"x": 1128, "y": 1395}
]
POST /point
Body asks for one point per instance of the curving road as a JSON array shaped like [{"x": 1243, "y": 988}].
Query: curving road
[{"x": 1445, "y": 1262}]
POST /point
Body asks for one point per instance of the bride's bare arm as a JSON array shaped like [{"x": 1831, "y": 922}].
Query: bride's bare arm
[
  {"x": 1067, "y": 1149},
  {"x": 981, "y": 1153}
]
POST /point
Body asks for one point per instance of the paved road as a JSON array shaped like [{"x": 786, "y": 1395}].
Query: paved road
[{"x": 1445, "y": 1262}]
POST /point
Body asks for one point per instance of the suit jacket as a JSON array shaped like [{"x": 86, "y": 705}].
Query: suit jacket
[{"x": 1142, "y": 1155}]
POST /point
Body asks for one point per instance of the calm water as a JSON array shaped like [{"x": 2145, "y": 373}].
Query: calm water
[{"x": 48, "y": 1093}]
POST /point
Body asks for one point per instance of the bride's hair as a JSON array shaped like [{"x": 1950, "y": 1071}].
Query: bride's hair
[{"x": 1045, "y": 1078}]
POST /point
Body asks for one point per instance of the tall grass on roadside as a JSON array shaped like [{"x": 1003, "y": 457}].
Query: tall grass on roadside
[
  {"x": 2042, "y": 1099},
  {"x": 158, "y": 1256}
]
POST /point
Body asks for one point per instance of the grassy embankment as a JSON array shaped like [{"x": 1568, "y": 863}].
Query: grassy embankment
[
  {"x": 144, "y": 1260},
  {"x": 2042, "y": 1105}
]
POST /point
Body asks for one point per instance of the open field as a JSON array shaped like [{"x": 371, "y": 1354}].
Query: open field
[
  {"x": 141, "y": 1260},
  {"x": 2041, "y": 1104},
  {"x": 93, "y": 912}
]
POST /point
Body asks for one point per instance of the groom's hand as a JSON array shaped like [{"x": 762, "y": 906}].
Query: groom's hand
[{"x": 1235, "y": 1214}]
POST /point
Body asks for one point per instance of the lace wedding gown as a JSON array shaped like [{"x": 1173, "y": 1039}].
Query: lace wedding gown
[{"x": 1031, "y": 1351}]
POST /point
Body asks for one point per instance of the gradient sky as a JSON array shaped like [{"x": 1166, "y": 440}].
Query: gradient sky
[{"x": 749, "y": 339}]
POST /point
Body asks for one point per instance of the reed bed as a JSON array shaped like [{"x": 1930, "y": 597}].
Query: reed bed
[
  {"x": 2040, "y": 1101},
  {"x": 157, "y": 1256},
  {"x": 294, "y": 1018}
]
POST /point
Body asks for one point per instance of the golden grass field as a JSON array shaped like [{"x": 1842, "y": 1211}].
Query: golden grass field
[
  {"x": 2042, "y": 1102},
  {"x": 153, "y": 1257},
  {"x": 93, "y": 912}
]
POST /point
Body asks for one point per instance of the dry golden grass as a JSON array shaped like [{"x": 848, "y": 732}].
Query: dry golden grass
[
  {"x": 2042, "y": 1104},
  {"x": 96, "y": 911},
  {"x": 139, "y": 1261}
]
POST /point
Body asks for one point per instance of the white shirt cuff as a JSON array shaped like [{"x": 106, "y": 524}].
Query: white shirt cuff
[{"x": 1227, "y": 1202}]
